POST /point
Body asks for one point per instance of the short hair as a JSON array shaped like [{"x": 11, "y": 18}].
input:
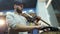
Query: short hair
[{"x": 18, "y": 3}]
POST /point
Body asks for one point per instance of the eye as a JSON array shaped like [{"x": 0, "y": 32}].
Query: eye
[{"x": 21, "y": 5}]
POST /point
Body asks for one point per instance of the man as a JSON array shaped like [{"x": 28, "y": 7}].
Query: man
[{"x": 17, "y": 20}]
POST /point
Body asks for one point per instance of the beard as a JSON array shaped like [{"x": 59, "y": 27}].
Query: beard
[{"x": 19, "y": 11}]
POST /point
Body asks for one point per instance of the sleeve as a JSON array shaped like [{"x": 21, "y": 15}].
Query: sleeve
[{"x": 11, "y": 21}]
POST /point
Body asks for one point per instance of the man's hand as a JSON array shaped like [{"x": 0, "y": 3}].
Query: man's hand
[
  {"x": 37, "y": 26},
  {"x": 37, "y": 19}
]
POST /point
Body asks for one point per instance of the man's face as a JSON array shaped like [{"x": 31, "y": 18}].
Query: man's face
[{"x": 18, "y": 8}]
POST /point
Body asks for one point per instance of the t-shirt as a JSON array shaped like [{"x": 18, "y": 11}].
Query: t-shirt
[{"x": 13, "y": 19}]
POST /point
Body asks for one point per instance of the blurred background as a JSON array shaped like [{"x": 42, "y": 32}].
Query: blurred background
[{"x": 6, "y": 6}]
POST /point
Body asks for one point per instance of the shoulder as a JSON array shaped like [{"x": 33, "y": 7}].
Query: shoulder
[{"x": 9, "y": 14}]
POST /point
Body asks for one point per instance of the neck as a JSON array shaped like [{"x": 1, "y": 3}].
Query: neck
[{"x": 18, "y": 13}]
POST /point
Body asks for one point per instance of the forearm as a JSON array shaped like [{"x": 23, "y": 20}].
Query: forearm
[{"x": 20, "y": 27}]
